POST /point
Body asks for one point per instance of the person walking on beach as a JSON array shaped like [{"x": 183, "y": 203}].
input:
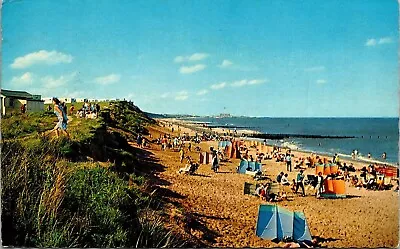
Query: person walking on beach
[
  {"x": 288, "y": 162},
  {"x": 61, "y": 116},
  {"x": 300, "y": 178},
  {"x": 320, "y": 185},
  {"x": 215, "y": 165},
  {"x": 182, "y": 154}
]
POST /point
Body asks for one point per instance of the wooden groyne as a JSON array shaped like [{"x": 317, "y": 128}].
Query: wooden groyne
[{"x": 283, "y": 136}]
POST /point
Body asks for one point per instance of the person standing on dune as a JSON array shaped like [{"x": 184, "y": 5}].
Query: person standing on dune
[{"x": 62, "y": 118}]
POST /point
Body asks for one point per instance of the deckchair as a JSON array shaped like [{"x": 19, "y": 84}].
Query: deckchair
[
  {"x": 250, "y": 189},
  {"x": 274, "y": 188}
]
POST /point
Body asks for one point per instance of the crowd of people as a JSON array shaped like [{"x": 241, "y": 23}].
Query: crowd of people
[{"x": 88, "y": 110}]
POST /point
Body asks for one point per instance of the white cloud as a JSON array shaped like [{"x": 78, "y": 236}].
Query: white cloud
[
  {"x": 108, "y": 79},
  {"x": 179, "y": 59},
  {"x": 226, "y": 64},
  {"x": 192, "y": 69},
  {"x": 321, "y": 81},
  {"x": 315, "y": 69},
  {"x": 370, "y": 42},
  {"x": 385, "y": 40},
  {"x": 50, "y": 82},
  {"x": 374, "y": 42},
  {"x": 198, "y": 56},
  {"x": 202, "y": 92},
  {"x": 241, "y": 83},
  {"x": 25, "y": 79},
  {"x": 257, "y": 81},
  {"x": 164, "y": 95},
  {"x": 41, "y": 57},
  {"x": 182, "y": 95},
  {"x": 218, "y": 86},
  {"x": 193, "y": 57}
]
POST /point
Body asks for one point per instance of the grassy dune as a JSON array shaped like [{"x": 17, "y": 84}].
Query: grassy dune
[{"x": 81, "y": 192}]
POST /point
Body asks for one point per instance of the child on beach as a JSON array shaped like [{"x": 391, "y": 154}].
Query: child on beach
[
  {"x": 293, "y": 185},
  {"x": 215, "y": 165},
  {"x": 320, "y": 185},
  {"x": 288, "y": 162}
]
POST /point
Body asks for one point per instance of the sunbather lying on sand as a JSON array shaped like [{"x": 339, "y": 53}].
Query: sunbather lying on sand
[{"x": 302, "y": 244}]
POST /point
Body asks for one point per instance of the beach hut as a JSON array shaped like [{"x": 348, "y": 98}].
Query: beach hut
[
  {"x": 228, "y": 151},
  {"x": 334, "y": 188},
  {"x": 247, "y": 143},
  {"x": 235, "y": 153},
  {"x": 210, "y": 157},
  {"x": 205, "y": 158},
  {"x": 275, "y": 222}
]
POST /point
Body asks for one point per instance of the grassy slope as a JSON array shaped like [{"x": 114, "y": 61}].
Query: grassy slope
[{"x": 81, "y": 192}]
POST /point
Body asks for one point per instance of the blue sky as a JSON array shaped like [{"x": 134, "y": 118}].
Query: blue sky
[{"x": 255, "y": 58}]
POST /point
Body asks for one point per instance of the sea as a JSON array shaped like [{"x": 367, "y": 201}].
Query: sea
[{"x": 371, "y": 135}]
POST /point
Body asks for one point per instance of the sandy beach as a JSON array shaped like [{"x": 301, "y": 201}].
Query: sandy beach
[{"x": 227, "y": 217}]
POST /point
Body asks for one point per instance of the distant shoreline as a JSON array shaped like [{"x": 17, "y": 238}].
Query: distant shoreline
[{"x": 246, "y": 134}]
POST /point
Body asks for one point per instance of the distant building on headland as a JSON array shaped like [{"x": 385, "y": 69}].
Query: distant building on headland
[
  {"x": 11, "y": 102},
  {"x": 66, "y": 100},
  {"x": 223, "y": 115},
  {"x": 76, "y": 100}
]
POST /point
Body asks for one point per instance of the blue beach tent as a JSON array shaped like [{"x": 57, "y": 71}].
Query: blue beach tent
[
  {"x": 275, "y": 222},
  {"x": 258, "y": 166},
  {"x": 243, "y": 166},
  {"x": 252, "y": 165},
  {"x": 223, "y": 144}
]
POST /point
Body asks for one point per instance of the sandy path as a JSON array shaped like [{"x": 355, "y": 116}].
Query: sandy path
[{"x": 368, "y": 219}]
